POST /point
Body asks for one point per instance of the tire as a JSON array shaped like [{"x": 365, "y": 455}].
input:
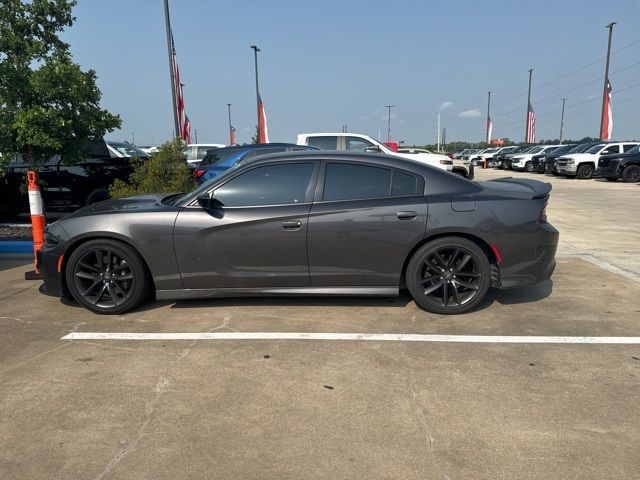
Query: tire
[
  {"x": 612, "y": 179},
  {"x": 464, "y": 259},
  {"x": 585, "y": 172},
  {"x": 97, "y": 195},
  {"x": 555, "y": 174},
  {"x": 631, "y": 174},
  {"x": 528, "y": 167},
  {"x": 107, "y": 276}
]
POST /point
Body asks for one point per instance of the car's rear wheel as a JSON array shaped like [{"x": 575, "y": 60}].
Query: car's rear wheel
[
  {"x": 448, "y": 276},
  {"x": 585, "y": 172},
  {"x": 107, "y": 276},
  {"x": 631, "y": 174}
]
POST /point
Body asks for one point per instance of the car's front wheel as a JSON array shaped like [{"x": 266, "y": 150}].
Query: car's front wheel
[
  {"x": 585, "y": 172},
  {"x": 528, "y": 167},
  {"x": 107, "y": 276},
  {"x": 449, "y": 275}
]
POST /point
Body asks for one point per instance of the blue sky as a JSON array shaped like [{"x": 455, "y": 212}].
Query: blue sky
[{"x": 325, "y": 64}]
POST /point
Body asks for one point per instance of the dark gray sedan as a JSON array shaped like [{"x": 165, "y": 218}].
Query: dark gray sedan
[{"x": 308, "y": 223}]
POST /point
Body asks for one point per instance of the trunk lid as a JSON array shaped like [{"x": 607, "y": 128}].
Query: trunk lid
[{"x": 523, "y": 187}]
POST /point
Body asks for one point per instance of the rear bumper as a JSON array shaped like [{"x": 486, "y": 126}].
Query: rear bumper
[
  {"x": 47, "y": 264},
  {"x": 531, "y": 264}
]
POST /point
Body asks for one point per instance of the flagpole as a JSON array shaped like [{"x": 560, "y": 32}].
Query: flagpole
[
  {"x": 562, "y": 122},
  {"x": 488, "y": 118},
  {"x": 255, "y": 59},
  {"x": 606, "y": 77},
  {"x": 389, "y": 107},
  {"x": 526, "y": 132},
  {"x": 171, "y": 68}
]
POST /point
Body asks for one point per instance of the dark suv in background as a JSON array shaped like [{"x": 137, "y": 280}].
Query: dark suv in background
[
  {"x": 621, "y": 165},
  {"x": 551, "y": 161},
  {"x": 69, "y": 186},
  {"x": 538, "y": 162}
]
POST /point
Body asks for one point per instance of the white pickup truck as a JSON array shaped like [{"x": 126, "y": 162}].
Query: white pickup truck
[
  {"x": 583, "y": 165},
  {"x": 357, "y": 142}
]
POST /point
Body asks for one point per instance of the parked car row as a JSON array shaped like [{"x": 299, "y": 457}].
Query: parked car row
[{"x": 610, "y": 160}]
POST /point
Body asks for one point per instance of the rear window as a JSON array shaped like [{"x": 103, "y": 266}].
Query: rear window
[
  {"x": 221, "y": 155},
  {"x": 325, "y": 143}
]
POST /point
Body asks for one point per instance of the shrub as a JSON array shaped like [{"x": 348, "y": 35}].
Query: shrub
[{"x": 164, "y": 172}]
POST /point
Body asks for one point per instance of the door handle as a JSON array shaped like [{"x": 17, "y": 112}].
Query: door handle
[
  {"x": 292, "y": 225},
  {"x": 407, "y": 215}
]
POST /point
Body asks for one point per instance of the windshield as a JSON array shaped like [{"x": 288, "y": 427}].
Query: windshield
[
  {"x": 127, "y": 149},
  {"x": 189, "y": 196},
  {"x": 563, "y": 149},
  {"x": 491, "y": 150},
  {"x": 536, "y": 150},
  {"x": 595, "y": 149},
  {"x": 216, "y": 156}
]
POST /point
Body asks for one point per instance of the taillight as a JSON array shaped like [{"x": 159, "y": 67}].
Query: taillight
[
  {"x": 198, "y": 172},
  {"x": 543, "y": 215}
]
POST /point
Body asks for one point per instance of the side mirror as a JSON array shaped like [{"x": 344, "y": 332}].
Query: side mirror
[
  {"x": 204, "y": 200},
  {"x": 373, "y": 149}
]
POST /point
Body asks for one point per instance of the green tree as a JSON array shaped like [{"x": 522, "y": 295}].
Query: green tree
[
  {"x": 48, "y": 105},
  {"x": 256, "y": 138},
  {"x": 164, "y": 172}
]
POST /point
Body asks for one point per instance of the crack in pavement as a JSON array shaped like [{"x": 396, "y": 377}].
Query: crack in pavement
[
  {"x": 422, "y": 414},
  {"x": 16, "y": 319},
  {"x": 160, "y": 387}
]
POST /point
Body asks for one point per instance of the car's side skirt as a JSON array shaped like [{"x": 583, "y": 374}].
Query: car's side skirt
[{"x": 185, "y": 294}]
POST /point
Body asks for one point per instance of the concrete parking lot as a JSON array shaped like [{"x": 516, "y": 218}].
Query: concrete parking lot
[{"x": 261, "y": 409}]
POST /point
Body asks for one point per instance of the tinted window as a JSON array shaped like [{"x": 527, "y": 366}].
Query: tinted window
[
  {"x": 221, "y": 155},
  {"x": 257, "y": 152},
  {"x": 350, "y": 182},
  {"x": 403, "y": 184},
  {"x": 611, "y": 149},
  {"x": 635, "y": 149},
  {"x": 268, "y": 185},
  {"x": 357, "y": 144},
  {"x": 202, "y": 151},
  {"x": 325, "y": 143},
  {"x": 627, "y": 146}
]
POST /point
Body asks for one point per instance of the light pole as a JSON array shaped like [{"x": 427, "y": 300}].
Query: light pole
[
  {"x": 255, "y": 59},
  {"x": 489, "y": 120},
  {"x": 230, "y": 127},
  {"x": 562, "y": 122},
  {"x": 605, "y": 92},
  {"x": 389, "y": 107}
]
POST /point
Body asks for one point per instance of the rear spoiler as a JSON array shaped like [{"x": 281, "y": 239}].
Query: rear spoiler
[{"x": 538, "y": 189}]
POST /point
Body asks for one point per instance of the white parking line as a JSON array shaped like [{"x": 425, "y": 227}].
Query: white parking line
[{"x": 376, "y": 337}]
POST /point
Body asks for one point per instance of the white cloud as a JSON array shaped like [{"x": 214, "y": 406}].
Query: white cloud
[
  {"x": 473, "y": 113},
  {"x": 445, "y": 105}
]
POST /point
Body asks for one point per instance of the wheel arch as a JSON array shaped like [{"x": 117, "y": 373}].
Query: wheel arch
[
  {"x": 75, "y": 243},
  {"x": 480, "y": 242}
]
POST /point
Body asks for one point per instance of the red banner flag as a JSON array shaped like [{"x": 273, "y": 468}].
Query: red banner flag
[
  {"x": 264, "y": 134},
  {"x": 607, "y": 117}
]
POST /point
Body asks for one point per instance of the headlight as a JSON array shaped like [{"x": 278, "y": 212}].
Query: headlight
[
  {"x": 570, "y": 161},
  {"x": 446, "y": 162}
]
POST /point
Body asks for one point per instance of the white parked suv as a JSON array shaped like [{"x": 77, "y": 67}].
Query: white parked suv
[
  {"x": 583, "y": 165},
  {"x": 357, "y": 142},
  {"x": 522, "y": 161},
  {"x": 195, "y": 152}
]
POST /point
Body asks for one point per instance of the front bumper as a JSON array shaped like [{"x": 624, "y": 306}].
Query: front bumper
[
  {"x": 47, "y": 264},
  {"x": 567, "y": 169}
]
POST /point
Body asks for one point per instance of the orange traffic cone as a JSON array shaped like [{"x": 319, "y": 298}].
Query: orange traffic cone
[{"x": 38, "y": 222}]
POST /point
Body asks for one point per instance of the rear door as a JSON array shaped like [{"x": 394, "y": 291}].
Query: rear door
[
  {"x": 256, "y": 237},
  {"x": 363, "y": 223}
]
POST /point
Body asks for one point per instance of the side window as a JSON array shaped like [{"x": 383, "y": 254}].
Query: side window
[
  {"x": 187, "y": 153},
  {"x": 352, "y": 182},
  {"x": 325, "y": 143},
  {"x": 611, "y": 149},
  {"x": 403, "y": 184},
  {"x": 357, "y": 144},
  {"x": 627, "y": 146},
  {"x": 268, "y": 185}
]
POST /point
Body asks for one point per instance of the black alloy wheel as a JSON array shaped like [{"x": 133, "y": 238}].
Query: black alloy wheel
[
  {"x": 448, "y": 275},
  {"x": 631, "y": 174},
  {"x": 528, "y": 167},
  {"x": 585, "y": 172},
  {"x": 107, "y": 276}
]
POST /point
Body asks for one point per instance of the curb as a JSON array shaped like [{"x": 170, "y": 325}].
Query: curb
[{"x": 16, "y": 246}]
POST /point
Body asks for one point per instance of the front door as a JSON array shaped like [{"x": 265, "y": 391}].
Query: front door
[{"x": 255, "y": 233}]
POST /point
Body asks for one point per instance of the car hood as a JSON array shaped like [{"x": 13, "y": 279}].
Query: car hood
[
  {"x": 579, "y": 156},
  {"x": 421, "y": 157},
  {"x": 142, "y": 203}
]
